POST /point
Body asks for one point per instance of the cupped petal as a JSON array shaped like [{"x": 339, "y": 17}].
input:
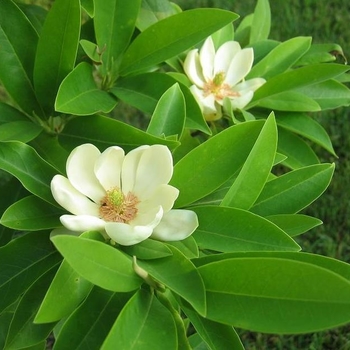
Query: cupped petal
[
  {"x": 80, "y": 171},
  {"x": 176, "y": 225},
  {"x": 70, "y": 198},
  {"x": 150, "y": 217},
  {"x": 240, "y": 66},
  {"x": 207, "y": 103},
  {"x": 193, "y": 68},
  {"x": 125, "y": 234},
  {"x": 206, "y": 58},
  {"x": 81, "y": 223},
  {"x": 225, "y": 55},
  {"x": 108, "y": 167},
  {"x": 164, "y": 195},
  {"x": 154, "y": 169},
  {"x": 214, "y": 116},
  {"x": 249, "y": 85},
  {"x": 242, "y": 101}
]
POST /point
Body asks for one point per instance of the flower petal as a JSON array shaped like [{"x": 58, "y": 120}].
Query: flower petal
[
  {"x": 70, "y": 198},
  {"x": 108, "y": 167},
  {"x": 242, "y": 101},
  {"x": 150, "y": 217},
  {"x": 249, "y": 85},
  {"x": 225, "y": 55},
  {"x": 193, "y": 68},
  {"x": 125, "y": 234},
  {"x": 207, "y": 104},
  {"x": 80, "y": 171},
  {"x": 240, "y": 66},
  {"x": 82, "y": 223},
  {"x": 206, "y": 58},
  {"x": 155, "y": 168},
  {"x": 176, "y": 225}
]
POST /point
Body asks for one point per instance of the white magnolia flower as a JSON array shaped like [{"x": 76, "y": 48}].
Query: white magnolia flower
[
  {"x": 126, "y": 197},
  {"x": 219, "y": 75}
]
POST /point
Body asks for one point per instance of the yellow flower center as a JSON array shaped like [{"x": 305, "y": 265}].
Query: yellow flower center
[
  {"x": 218, "y": 88},
  {"x": 117, "y": 207}
]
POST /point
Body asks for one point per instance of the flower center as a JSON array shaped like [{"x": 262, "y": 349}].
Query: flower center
[
  {"x": 218, "y": 88},
  {"x": 117, "y": 207}
]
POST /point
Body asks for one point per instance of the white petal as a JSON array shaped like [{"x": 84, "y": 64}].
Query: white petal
[
  {"x": 240, "y": 66},
  {"x": 130, "y": 164},
  {"x": 150, "y": 217},
  {"x": 63, "y": 231},
  {"x": 154, "y": 169},
  {"x": 207, "y": 104},
  {"x": 125, "y": 234},
  {"x": 82, "y": 223},
  {"x": 71, "y": 199},
  {"x": 206, "y": 58},
  {"x": 108, "y": 167},
  {"x": 249, "y": 85},
  {"x": 225, "y": 55},
  {"x": 214, "y": 116},
  {"x": 80, "y": 171},
  {"x": 242, "y": 101},
  {"x": 164, "y": 195},
  {"x": 176, "y": 225},
  {"x": 193, "y": 68}
]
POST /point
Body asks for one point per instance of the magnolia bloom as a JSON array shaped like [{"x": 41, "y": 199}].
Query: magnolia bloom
[
  {"x": 126, "y": 197},
  {"x": 219, "y": 75}
]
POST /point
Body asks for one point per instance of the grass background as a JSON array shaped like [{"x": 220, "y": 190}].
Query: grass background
[{"x": 325, "y": 21}]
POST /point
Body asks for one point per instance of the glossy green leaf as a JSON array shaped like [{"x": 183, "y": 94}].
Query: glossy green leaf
[
  {"x": 14, "y": 159},
  {"x": 293, "y": 191},
  {"x": 89, "y": 325},
  {"x": 178, "y": 274},
  {"x": 304, "y": 125},
  {"x": 211, "y": 164},
  {"x": 281, "y": 58},
  {"x": 223, "y": 35},
  {"x": 297, "y": 151},
  {"x": 294, "y": 224},
  {"x": 35, "y": 14},
  {"x": 170, "y": 114},
  {"x": 57, "y": 49},
  {"x": 5, "y": 322},
  {"x": 31, "y": 214},
  {"x": 88, "y": 6},
  {"x": 99, "y": 263},
  {"x": 251, "y": 179},
  {"x": 104, "y": 132},
  {"x": 233, "y": 230},
  {"x": 22, "y": 261},
  {"x": 92, "y": 50},
  {"x": 143, "y": 91},
  {"x": 187, "y": 247},
  {"x": 143, "y": 321},
  {"x": 298, "y": 296},
  {"x": 148, "y": 249},
  {"x": 18, "y": 40},
  {"x": 192, "y": 26},
  {"x": 10, "y": 114},
  {"x": 320, "y": 53},
  {"x": 114, "y": 24},
  {"x": 67, "y": 290},
  {"x": 79, "y": 95},
  {"x": 261, "y": 22},
  {"x": 23, "y": 131},
  {"x": 23, "y": 332}
]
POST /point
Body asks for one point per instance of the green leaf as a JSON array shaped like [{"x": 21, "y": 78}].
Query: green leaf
[
  {"x": 22, "y": 261},
  {"x": 261, "y": 22},
  {"x": 89, "y": 325},
  {"x": 293, "y": 191},
  {"x": 10, "y": 114},
  {"x": 5, "y": 322},
  {"x": 304, "y": 125},
  {"x": 148, "y": 249},
  {"x": 35, "y": 14},
  {"x": 57, "y": 50},
  {"x": 143, "y": 91},
  {"x": 104, "y": 132},
  {"x": 114, "y": 25},
  {"x": 79, "y": 95},
  {"x": 178, "y": 274},
  {"x": 187, "y": 247},
  {"x": 294, "y": 224},
  {"x": 321, "y": 53},
  {"x": 138, "y": 326},
  {"x": 233, "y": 230},
  {"x": 18, "y": 41},
  {"x": 256, "y": 169},
  {"x": 281, "y": 58},
  {"x": 211, "y": 164},
  {"x": 170, "y": 114},
  {"x": 23, "y": 332},
  {"x": 89, "y": 7},
  {"x": 192, "y": 26},
  {"x": 98, "y": 262},
  {"x": 67, "y": 290},
  {"x": 299, "y": 297},
  {"x": 23, "y": 131},
  {"x": 31, "y": 214},
  {"x": 27, "y": 166}
]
